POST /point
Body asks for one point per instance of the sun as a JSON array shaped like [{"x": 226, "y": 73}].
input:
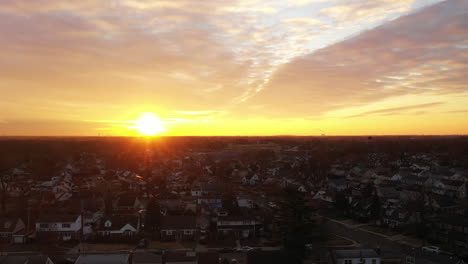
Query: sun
[{"x": 148, "y": 124}]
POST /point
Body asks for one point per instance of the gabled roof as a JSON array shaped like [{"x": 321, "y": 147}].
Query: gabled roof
[
  {"x": 8, "y": 224},
  {"x": 453, "y": 183},
  {"x": 118, "y": 222},
  {"x": 443, "y": 201}
]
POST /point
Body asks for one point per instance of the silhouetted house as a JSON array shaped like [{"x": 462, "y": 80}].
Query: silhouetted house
[
  {"x": 125, "y": 203},
  {"x": 183, "y": 227},
  {"x": 455, "y": 188},
  {"x": 339, "y": 184},
  {"x": 441, "y": 203}
]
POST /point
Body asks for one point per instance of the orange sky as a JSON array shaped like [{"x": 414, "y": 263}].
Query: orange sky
[{"x": 234, "y": 67}]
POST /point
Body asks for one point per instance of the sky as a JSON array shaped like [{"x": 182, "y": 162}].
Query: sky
[{"x": 234, "y": 67}]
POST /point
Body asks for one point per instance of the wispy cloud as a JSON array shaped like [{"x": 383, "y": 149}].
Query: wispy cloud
[
  {"x": 287, "y": 56},
  {"x": 396, "y": 110},
  {"x": 407, "y": 56}
]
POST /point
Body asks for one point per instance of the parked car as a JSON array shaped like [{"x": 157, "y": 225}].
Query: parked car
[
  {"x": 245, "y": 249},
  {"x": 431, "y": 249}
]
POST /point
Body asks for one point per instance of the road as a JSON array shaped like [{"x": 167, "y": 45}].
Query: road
[
  {"x": 388, "y": 247},
  {"x": 365, "y": 239}
]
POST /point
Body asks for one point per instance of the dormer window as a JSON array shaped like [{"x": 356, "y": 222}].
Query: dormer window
[
  {"x": 108, "y": 223},
  {"x": 7, "y": 224}
]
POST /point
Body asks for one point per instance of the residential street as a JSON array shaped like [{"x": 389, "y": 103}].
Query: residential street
[{"x": 390, "y": 248}]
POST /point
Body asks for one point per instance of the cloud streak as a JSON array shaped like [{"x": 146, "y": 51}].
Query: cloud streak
[
  {"x": 396, "y": 110},
  {"x": 407, "y": 56}
]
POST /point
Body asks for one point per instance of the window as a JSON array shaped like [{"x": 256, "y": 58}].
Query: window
[
  {"x": 374, "y": 261},
  {"x": 66, "y": 225},
  {"x": 348, "y": 261},
  {"x": 168, "y": 232},
  {"x": 7, "y": 224},
  {"x": 43, "y": 225},
  {"x": 187, "y": 232}
]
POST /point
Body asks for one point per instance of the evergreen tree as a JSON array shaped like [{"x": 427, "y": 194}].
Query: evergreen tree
[
  {"x": 375, "y": 207},
  {"x": 341, "y": 202},
  {"x": 153, "y": 216},
  {"x": 295, "y": 224}
]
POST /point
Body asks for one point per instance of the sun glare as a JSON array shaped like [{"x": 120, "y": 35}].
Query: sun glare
[{"x": 149, "y": 125}]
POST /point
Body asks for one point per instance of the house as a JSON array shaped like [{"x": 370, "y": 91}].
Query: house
[
  {"x": 354, "y": 256},
  {"x": 250, "y": 179},
  {"x": 12, "y": 229},
  {"x": 324, "y": 195},
  {"x": 125, "y": 203},
  {"x": 339, "y": 184},
  {"x": 119, "y": 227},
  {"x": 395, "y": 218},
  {"x": 59, "y": 227},
  {"x": 440, "y": 203},
  {"x": 196, "y": 192},
  {"x": 244, "y": 226},
  {"x": 455, "y": 188},
  {"x": 103, "y": 259},
  {"x": 210, "y": 201},
  {"x": 181, "y": 227},
  {"x": 246, "y": 202}
]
